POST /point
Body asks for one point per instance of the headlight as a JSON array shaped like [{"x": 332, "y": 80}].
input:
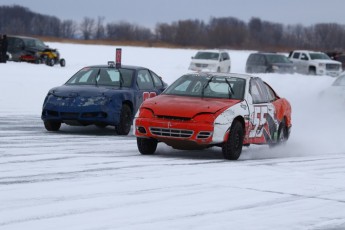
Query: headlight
[{"x": 145, "y": 113}]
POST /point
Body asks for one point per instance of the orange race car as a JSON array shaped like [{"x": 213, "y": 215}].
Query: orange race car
[{"x": 201, "y": 110}]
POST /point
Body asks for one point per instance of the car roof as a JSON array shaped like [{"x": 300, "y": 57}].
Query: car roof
[
  {"x": 122, "y": 67},
  {"x": 213, "y": 74},
  {"x": 212, "y": 51},
  {"x": 22, "y": 37},
  {"x": 308, "y": 51}
]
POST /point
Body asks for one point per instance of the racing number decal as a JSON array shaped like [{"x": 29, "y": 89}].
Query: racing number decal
[
  {"x": 147, "y": 95},
  {"x": 258, "y": 121}
]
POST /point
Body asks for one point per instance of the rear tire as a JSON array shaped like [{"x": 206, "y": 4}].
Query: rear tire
[
  {"x": 232, "y": 148},
  {"x": 125, "y": 121},
  {"x": 52, "y": 125},
  {"x": 282, "y": 135},
  {"x": 146, "y": 146}
]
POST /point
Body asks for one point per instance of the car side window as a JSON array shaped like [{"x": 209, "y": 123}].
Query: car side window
[
  {"x": 144, "y": 80},
  {"x": 157, "y": 80},
  {"x": 261, "y": 60},
  {"x": 296, "y": 55},
  {"x": 271, "y": 94},
  {"x": 304, "y": 57},
  {"x": 258, "y": 91},
  {"x": 225, "y": 56}
]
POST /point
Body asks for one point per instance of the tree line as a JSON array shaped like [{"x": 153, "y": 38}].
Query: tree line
[{"x": 224, "y": 32}]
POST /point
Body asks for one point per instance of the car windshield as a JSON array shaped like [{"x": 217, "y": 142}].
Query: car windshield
[
  {"x": 34, "y": 43},
  {"x": 102, "y": 76},
  {"x": 207, "y": 55},
  {"x": 316, "y": 56},
  {"x": 208, "y": 87},
  {"x": 277, "y": 59}
]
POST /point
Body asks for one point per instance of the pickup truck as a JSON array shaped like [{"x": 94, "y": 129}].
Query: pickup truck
[{"x": 314, "y": 63}]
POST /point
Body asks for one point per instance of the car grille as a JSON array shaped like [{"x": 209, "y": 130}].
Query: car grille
[
  {"x": 332, "y": 66},
  {"x": 69, "y": 115},
  {"x": 201, "y": 65},
  {"x": 164, "y": 132},
  {"x": 174, "y": 118}
]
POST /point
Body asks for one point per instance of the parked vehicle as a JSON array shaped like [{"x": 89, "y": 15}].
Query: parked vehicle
[
  {"x": 269, "y": 63},
  {"x": 101, "y": 95},
  {"x": 202, "y": 110},
  {"x": 314, "y": 63},
  {"x": 211, "y": 61},
  {"x": 338, "y": 56},
  {"x": 336, "y": 92},
  {"x": 28, "y": 49}
]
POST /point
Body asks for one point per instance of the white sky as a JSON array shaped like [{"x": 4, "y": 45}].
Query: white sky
[{"x": 149, "y": 12}]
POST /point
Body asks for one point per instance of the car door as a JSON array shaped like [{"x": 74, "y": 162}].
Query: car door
[
  {"x": 224, "y": 62},
  {"x": 304, "y": 63},
  {"x": 296, "y": 61},
  {"x": 261, "y": 113},
  {"x": 146, "y": 86}
]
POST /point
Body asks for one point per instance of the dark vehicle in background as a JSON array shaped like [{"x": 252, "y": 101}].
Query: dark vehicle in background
[
  {"x": 101, "y": 95},
  {"x": 33, "y": 50},
  {"x": 269, "y": 63},
  {"x": 338, "y": 56}
]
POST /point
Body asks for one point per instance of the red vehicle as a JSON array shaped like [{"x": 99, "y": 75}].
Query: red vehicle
[{"x": 202, "y": 110}]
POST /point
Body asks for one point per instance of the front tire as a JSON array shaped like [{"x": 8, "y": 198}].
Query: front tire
[
  {"x": 125, "y": 120},
  {"x": 146, "y": 146},
  {"x": 232, "y": 148},
  {"x": 62, "y": 62},
  {"x": 52, "y": 125}
]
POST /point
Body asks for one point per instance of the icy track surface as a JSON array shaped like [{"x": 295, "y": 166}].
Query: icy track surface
[{"x": 91, "y": 179}]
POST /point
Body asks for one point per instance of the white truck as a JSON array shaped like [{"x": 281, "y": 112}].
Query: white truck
[{"x": 315, "y": 63}]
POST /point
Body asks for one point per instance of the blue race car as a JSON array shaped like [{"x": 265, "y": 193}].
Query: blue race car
[{"x": 101, "y": 95}]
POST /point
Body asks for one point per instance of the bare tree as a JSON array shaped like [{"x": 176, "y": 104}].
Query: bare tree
[
  {"x": 100, "y": 30},
  {"x": 87, "y": 27},
  {"x": 68, "y": 29}
]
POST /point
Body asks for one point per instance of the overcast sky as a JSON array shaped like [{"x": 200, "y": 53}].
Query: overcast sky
[{"x": 149, "y": 12}]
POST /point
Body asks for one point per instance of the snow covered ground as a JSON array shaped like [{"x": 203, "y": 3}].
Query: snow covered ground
[{"x": 88, "y": 178}]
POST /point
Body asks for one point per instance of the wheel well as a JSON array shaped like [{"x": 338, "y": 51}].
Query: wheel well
[
  {"x": 312, "y": 68},
  {"x": 241, "y": 120}
]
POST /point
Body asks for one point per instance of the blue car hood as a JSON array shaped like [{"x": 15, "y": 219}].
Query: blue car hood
[{"x": 81, "y": 91}]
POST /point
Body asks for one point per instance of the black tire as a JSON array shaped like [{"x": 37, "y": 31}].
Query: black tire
[
  {"x": 312, "y": 71},
  {"x": 62, "y": 62},
  {"x": 232, "y": 148},
  {"x": 125, "y": 121},
  {"x": 50, "y": 62},
  {"x": 52, "y": 125},
  {"x": 146, "y": 146},
  {"x": 282, "y": 135}
]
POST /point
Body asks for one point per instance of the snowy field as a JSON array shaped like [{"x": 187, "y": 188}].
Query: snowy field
[{"x": 88, "y": 178}]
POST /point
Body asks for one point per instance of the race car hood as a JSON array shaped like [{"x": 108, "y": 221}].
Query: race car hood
[
  {"x": 187, "y": 107},
  {"x": 80, "y": 90}
]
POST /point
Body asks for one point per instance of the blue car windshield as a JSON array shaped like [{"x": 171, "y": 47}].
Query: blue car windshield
[
  {"x": 208, "y": 87},
  {"x": 102, "y": 76}
]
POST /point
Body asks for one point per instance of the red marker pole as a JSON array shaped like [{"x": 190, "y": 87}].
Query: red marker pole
[{"x": 118, "y": 58}]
